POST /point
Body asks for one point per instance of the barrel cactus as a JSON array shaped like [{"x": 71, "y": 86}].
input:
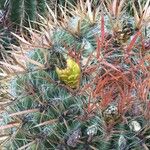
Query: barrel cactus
[
  {"x": 23, "y": 11},
  {"x": 79, "y": 82}
]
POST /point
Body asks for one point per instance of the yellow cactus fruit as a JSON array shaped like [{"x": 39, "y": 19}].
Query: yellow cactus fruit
[{"x": 71, "y": 74}]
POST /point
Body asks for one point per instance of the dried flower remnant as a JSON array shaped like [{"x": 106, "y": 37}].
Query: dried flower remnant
[
  {"x": 111, "y": 114},
  {"x": 74, "y": 137},
  {"x": 122, "y": 143},
  {"x": 91, "y": 131},
  {"x": 135, "y": 126}
]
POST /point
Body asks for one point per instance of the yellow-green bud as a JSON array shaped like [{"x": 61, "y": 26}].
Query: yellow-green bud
[{"x": 71, "y": 74}]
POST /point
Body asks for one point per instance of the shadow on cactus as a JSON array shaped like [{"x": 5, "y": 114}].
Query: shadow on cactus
[{"x": 70, "y": 86}]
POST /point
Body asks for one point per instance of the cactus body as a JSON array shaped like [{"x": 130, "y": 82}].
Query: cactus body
[{"x": 110, "y": 108}]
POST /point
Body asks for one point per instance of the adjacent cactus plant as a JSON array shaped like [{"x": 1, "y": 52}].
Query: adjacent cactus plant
[
  {"x": 23, "y": 11},
  {"x": 77, "y": 84}
]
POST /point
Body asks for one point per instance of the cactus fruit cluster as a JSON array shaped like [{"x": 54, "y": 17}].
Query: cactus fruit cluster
[{"x": 80, "y": 82}]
